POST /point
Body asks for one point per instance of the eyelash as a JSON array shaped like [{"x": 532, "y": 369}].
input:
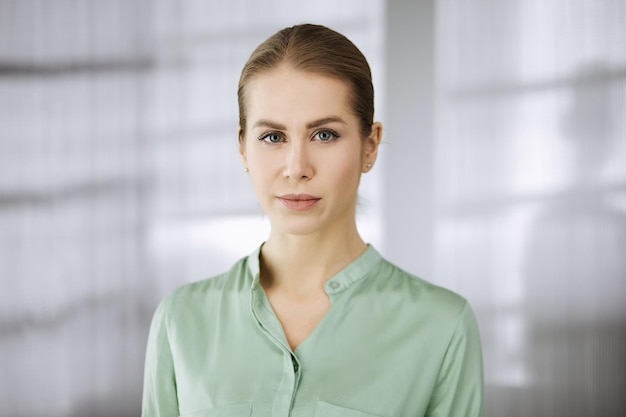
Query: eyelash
[
  {"x": 264, "y": 137},
  {"x": 334, "y": 135}
]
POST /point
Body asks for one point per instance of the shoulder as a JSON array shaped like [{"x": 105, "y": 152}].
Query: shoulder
[
  {"x": 446, "y": 315},
  {"x": 420, "y": 301},
  {"x": 205, "y": 295},
  {"x": 421, "y": 291}
]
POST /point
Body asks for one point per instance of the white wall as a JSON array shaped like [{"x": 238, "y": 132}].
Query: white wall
[{"x": 530, "y": 196}]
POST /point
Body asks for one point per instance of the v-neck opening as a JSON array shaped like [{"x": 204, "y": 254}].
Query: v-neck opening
[{"x": 338, "y": 283}]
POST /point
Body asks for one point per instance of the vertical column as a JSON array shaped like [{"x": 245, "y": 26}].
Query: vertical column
[{"x": 408, "y": 134}]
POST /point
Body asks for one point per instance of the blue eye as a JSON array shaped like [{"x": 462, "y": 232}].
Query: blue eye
[
  {"x": 326, "y": 135},
  {"x": 271, "y": 138}
]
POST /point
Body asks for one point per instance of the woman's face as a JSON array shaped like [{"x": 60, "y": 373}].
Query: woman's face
[{"x": 304, "y": 151}]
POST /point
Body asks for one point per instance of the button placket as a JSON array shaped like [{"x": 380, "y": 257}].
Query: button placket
[{"x": 288, "y": 387}]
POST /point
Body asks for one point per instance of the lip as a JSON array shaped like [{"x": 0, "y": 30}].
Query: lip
[{"x": 298, "y": 202}]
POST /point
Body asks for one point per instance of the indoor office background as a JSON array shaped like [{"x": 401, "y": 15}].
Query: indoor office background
[{"x": 502, "y": 176}]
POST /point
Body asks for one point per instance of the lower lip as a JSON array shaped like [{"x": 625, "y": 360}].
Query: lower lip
[{"x": 299, "y": 205}]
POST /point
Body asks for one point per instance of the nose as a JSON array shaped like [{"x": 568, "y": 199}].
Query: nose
[{"x": 298, "y": 164}]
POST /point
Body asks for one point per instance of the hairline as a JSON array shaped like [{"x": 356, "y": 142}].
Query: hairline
[{"x": 351, "y": 97}]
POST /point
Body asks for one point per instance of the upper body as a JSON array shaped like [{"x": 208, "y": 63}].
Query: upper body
[
  {"x": 391, "y": 344},
  {"x": 315, "y": 322}
]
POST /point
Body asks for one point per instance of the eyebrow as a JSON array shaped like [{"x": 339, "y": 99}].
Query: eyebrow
[{"x": 311, "y": 125}]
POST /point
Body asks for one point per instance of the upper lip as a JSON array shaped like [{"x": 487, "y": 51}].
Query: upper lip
[{"x": 298, "y": 197}]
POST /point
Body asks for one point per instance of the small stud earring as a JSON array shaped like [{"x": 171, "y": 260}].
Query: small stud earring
[
  {"x": 368, "y": 166},
  {"x": 245, "y": 170}
]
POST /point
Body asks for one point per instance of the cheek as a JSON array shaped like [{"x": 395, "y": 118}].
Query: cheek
[
  {"x": 258, "y": 177},
  {"x": 256, "y": 161},
  {"x": 261, "y": 172},
  {"x": 347, "y": 172}
]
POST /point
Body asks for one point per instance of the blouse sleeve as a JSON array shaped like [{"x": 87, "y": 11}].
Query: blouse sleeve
[
  {"x": 159, "y": 387},
  {"x": 459, "y": 387}
]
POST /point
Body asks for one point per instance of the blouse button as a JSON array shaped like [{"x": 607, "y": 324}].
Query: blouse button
[{"x": 334, "y": 285}]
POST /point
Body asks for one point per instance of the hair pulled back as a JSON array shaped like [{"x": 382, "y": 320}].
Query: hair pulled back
[{"x": 315, "y": 49}]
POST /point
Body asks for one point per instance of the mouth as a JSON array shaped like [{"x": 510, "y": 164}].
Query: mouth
[{"x": 298, "y": 202}]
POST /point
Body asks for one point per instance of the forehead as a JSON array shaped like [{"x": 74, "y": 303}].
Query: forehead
[{"x": 286, "y": 94}]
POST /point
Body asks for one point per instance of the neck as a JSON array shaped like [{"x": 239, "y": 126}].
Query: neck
[{"x": 302, "y": 264}]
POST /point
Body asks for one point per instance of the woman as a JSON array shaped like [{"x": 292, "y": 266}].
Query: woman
[{"x": 314, "y": 322}]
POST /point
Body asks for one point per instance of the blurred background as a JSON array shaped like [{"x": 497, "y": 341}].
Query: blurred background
[{"x": 502, "y": 177}]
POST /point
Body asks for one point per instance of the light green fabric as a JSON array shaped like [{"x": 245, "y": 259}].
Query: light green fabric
[{"x": 390, "y": 345}]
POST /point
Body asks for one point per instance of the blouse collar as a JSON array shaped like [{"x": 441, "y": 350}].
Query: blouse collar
[{"x": 342, "y": 280}]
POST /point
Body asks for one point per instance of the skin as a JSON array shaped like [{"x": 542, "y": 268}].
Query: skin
[{"x": 303, "y": 138}]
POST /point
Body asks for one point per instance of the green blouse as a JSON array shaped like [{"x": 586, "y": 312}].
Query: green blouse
[{"x": 391, "y": 344}]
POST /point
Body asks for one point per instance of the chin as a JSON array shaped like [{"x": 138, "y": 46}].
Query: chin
[{"x": 297, "y": 227}]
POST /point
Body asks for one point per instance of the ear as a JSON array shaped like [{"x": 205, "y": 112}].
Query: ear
[
  {"x": 370, "y": 147},
  {"x": 241, "y": 146}
]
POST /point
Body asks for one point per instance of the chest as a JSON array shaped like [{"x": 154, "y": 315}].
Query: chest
[
  {"x": 298, "y": 318},
  {"x": 355, "y": 355}
]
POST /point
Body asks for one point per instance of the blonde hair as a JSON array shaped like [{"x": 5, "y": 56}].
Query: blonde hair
[{"x": 316, "y": 49}]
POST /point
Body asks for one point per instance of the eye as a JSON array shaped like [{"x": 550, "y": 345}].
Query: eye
[
  {"x": 326, "y": 135},
  {"x": 271, "y": 137}
]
